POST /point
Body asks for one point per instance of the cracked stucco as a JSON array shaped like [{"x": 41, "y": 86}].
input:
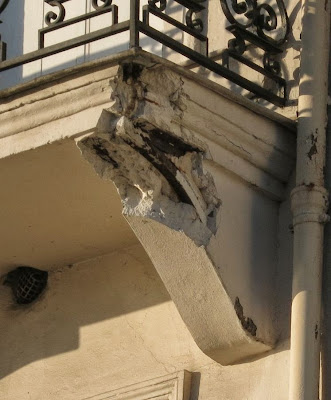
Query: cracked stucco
[
  {"x": 156, "y": 180},
  {"x": 144, "y": 144},
  {"x": 158, "y": 175}
]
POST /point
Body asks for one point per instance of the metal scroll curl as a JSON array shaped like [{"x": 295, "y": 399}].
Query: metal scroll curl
[
  {"x": 161, "y": 5},
  {"x": 237, "y": 45},
  {"x": 245, "y": 7},
  {"x": 192, "y": 19},
  {"x": 193, "y": 22},
  {"x": 103, "y": 4},
  {"x": 52, "y": 18},
  {"x": 263, "y": 17},
  {"x": 242, "y": 7},
  {"x": 270, "y": 64}
]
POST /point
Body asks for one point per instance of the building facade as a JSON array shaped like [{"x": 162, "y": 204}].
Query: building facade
[{"x": 163, "y": 161}]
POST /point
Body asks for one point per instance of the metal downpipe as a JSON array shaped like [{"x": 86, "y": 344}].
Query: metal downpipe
[{"x": 309, "y": 202}]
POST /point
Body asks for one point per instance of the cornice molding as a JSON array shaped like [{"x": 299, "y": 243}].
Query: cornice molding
[{"x": 254, "y": 147}]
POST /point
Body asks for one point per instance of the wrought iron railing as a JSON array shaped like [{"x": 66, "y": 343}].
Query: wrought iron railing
[{"x": 253, "y": 23}]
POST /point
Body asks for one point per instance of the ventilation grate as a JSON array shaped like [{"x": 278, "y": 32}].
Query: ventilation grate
[{"x": 27, "y": 283}]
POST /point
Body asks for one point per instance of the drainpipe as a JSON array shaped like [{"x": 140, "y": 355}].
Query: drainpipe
[
  {"x": 309, "y": 202},
  {"x": 326, "y": 286}
]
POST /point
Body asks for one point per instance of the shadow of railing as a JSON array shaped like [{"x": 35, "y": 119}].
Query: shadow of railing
[{"x": 11, "y": 11}]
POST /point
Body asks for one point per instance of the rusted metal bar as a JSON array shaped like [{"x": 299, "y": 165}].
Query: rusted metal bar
[{"x": 134, "y": 23}]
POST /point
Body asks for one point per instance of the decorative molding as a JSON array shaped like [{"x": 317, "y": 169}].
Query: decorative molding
[
  {"x": 170, "y": 387},
  {"x": 77, "y": 103}
]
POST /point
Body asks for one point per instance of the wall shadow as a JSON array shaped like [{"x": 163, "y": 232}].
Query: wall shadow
[
  {"x": 77, "y": 295},
  {"x": 195, "y": 385},
  {"x": 12, "y": 32}
]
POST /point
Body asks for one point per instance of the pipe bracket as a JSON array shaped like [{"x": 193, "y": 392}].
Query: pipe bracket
[{"x": 309, "y": 203}]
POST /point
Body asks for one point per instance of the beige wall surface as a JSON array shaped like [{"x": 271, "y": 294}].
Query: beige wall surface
[
  {"x": 55, "y": 210},
  {"x": 106, "y": 320},
  {"x": 107, "y": 323}
]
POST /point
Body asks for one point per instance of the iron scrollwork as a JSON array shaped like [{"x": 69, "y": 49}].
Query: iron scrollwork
[
  {"x": 266, "y": 21},
  {"x": 104, "y": 3},
  {"x": 56, "y": 20},
  {"x": 245, "y": 7},
  {"x": 191, "y": 19},
  {"x": 262, "y": 17},
  {"x": 270, "y": 64},
  {"x": 193, "y": 22},
  {"x": 161, "y": 5},
  {"x": 52, "y": 18},
  {"x": 237, "y": 44},
  {"x": 257, "y": 24},
  {"x": 193, "y": 7}
]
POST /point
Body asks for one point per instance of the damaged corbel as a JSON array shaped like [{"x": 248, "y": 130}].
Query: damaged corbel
[
  {"x": 175, "y": 208},
  {"x": 157, "y": 175},
  {"x": 172, "y": 206}
]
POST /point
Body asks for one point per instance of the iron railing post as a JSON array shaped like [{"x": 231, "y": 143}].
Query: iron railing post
[
  {"x": 134, "y": 23},
  {"x": 3, "y": 50}
]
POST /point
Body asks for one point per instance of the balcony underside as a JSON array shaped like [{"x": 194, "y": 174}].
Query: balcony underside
[{"x": 199, "y": 174}]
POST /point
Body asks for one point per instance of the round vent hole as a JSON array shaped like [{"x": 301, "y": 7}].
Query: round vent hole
[{"x": 27, "y": 283}]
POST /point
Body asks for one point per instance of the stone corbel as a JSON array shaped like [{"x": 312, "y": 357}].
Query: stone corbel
[{"x": 173, "y": 206}]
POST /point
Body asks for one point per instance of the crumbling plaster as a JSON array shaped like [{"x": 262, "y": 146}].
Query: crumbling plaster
[
  {"x": 173, "y": 200},
  {"x": 200, "y": 184}
]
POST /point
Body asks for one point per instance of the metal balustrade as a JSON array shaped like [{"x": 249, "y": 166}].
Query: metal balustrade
[{"x": 253, "y": 23}]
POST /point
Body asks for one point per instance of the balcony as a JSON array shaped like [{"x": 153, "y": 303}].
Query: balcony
[
  {"x": 139, "y": 95},
  {"x": 238, "y": 44}
]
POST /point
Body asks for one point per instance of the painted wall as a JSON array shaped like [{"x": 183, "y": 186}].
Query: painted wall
[{"x": 109, "y": 322}]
